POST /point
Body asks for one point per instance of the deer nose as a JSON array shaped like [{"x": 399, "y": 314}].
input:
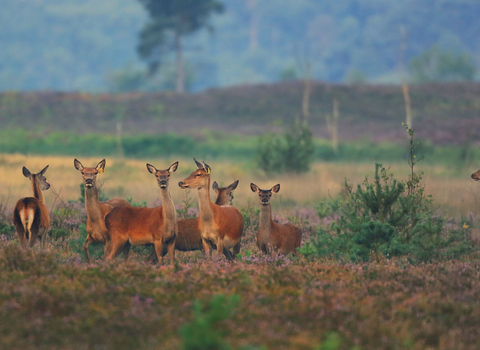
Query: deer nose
[{"x": 180, "y": 183}]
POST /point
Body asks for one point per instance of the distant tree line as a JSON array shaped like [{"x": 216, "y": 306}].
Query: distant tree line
[{"x": 92, "y": 46}]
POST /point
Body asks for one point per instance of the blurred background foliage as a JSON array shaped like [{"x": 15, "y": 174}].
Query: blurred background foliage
[{"x": 91, "y": 46}]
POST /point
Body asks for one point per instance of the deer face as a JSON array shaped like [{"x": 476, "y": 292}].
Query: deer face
[
  {"x": 225, "y": 193},
  {"x": 89, "y": 175},
  {"x": 476, "y": 176},
  {"x": 198, "y": 179},
  {"x": 265, "y": 195},
  {"x": 44, "y": 184},
  {"x": 162, "y": 175}
]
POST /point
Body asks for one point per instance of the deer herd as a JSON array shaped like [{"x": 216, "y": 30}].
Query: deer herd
[{"x": 118, "y": 225}]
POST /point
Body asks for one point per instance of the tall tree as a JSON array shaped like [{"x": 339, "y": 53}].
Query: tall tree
[{"x": 170, "y": 21}]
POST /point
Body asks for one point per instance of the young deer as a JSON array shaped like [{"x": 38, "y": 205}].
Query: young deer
[
  {"x": 189, "y": 237},
  {"x": 96, "y": 210},
  {"x": 272, "y": 236},
  {"x": 476, "y": 175},
  {"x": 218, "y": 225},
  {"x": 30, "y": 215},
  {"x": 142, "y": 226}
]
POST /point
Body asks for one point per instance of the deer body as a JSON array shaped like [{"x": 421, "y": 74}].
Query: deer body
[
  {"x": 96, "y": 230},
  {"x": 218, "y": 225},
  {"x": 30, "y": 215},
  {"x": 142, "y": 226},
  {"x": 189, "y": 237},
  {"x": 271, "y": 236}
]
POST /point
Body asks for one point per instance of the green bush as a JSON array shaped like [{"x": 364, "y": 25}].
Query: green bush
[
  {"x": 205, "y": 332},
  {"x": 391, "y": 218},
  {"x": 292, "y": 152}
]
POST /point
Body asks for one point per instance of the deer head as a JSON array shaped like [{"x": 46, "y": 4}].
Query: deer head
[
  {"x": 265, "y": 195},
  {"x": 162, "y": 175},
  {"x": 199, "y": 178},
  {"x": 44, "y": 184},
  {"x": 89, "y": 175},
  {"x": 476, "y": 176},
  {"x": 226, "y": 193}
]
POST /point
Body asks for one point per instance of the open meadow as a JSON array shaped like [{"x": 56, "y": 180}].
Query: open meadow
[{"x": 55, "y": 300}]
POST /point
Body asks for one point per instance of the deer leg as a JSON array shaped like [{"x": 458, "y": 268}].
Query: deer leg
[
  {"x": 220, "y": 247},
  {"x": 171, "y": 251},
  {"x": 43, "y": 238},
  {"x": 85, "y": 247},
  {"x": 236, "y": 249},
  {"x": 206, "y": 248},
  {"x": 21, "y": 237},
  {"x": 33, "y": 236},
  {"x": 126, "y": 251},
  {"x": 153, "y": 257},
  {"x": 228, "y": 254},
  {"x": 159, "y": 249}
]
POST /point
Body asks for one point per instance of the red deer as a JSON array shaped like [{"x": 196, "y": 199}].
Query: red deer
[
  {"x": 218, "y": 225},
  {"x": 476, "y": 176},
  {"x": 271, "y": 236},
  {"x": 142, "y": 226},
  {"x": 188, "y": 237},
  {"x": 96, "y": 210},
  {"x": 30, "y": 215}
]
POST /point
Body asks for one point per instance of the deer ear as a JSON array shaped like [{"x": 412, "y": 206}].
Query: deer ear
[
  {"x": 77, "y": 164},
  {"x": 233, "y": 186},
  {"x": 199, "y": 165},
  {"x": 26, "y": 172},
  {"x": 254, "y": 188},
  {"x": 101, "y": 166},
  {"x": 207, "y": 168},
  {"x": 173, "y": 167},
  {"x": 275, "y": 188},
  {"x": 43, "y": 170},
  {"x": 215, "y": 186},
  {"x": 151, "y": 169}
]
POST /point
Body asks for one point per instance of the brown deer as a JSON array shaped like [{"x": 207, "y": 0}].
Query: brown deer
[
  {"x": 476, "y": 175},
  {"x": 142, "y": 226},
  {"x": 96, "y": 210},
  {"x": 271, "y": 236},
  {"x": 218, "y": 225},
  {"x": 30, "y": 215},
  {"x": 188, "y": 237}
]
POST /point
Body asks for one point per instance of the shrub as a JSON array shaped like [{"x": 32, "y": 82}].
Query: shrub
[
  {"x": 292, "y": 152},
  {"x": 391, "y": 218},
  {"x": 205, "y": 331}
]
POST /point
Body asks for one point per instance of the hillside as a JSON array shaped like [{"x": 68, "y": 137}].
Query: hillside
[{"x": 444, "y": 114}]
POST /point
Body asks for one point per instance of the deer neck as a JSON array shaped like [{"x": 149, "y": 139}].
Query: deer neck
[
  {"x": 37, "y": 191},
  {"x": 92, "y": 204},
  {"x": 265, "y": 225},
  {"x": 168, "y": 208},
  {"x": 204, "y": 203}
]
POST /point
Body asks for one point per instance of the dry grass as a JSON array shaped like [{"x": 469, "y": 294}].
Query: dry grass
[{"x": 454, "y": 192}]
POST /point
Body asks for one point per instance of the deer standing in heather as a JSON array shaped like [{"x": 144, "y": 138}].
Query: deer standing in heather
[
  {"x": 476, "y": 175},
  {"x": 189, "y": 237},
  {"x": 218, "y": 225},
  {"x": 271, "y": 236},
  {"x": 96, "y": 210},
  {"x": 30, "y": 215},
  {"x": 141, "y": 226}
]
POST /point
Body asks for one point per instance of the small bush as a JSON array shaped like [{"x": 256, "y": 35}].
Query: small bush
[
  {"x": 205, "y": 332},
  {"x": 292, "y": 152}
]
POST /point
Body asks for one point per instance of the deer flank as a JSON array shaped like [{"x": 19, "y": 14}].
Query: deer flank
[
  {"x": 220, "y": 226},
  {"x": 141, "y": 226}
]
